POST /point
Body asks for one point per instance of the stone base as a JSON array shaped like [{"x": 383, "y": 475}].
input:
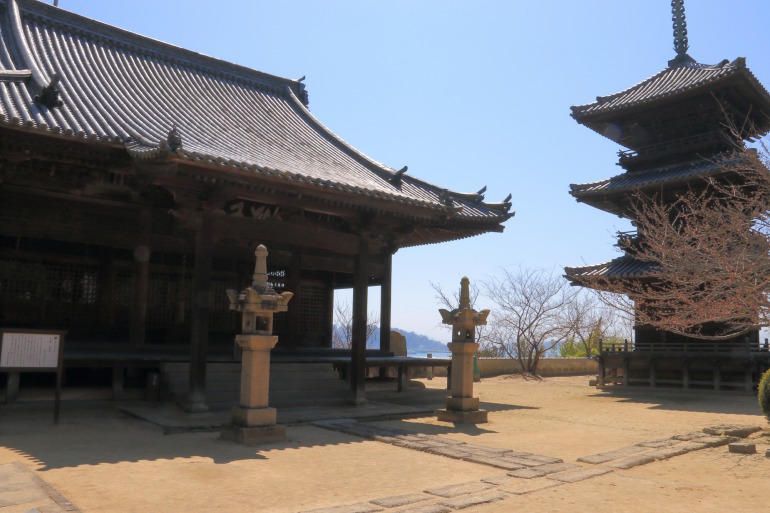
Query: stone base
[
  {"x": 254, "y": 435},
  {"x": 462, "y": 417},
  {"x": 462, "y": 403},
  {"x": 195, "y": 407},
  {"x": 254, "y": 417}
]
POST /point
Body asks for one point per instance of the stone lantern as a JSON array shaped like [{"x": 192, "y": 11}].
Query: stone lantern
[
  {"x": 254, "y": 421},
  {"x": 462, "y": 407}
]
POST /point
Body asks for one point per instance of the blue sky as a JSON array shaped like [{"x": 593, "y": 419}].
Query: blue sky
[{"x": 466, "y": 94}]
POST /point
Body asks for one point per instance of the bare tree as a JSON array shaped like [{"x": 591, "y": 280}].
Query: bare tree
[
  {"x": 342, "y": 333},
  {"x": 589, "y": 321},
  {"x": 707, "y": 256},
  {"x": 528, "y": 314}
]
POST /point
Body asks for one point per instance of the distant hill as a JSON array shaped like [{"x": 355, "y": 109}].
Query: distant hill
[{"x": 415, "y": 343}]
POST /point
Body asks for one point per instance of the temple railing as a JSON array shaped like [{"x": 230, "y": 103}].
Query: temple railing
[{"x": 701, "y": 347}]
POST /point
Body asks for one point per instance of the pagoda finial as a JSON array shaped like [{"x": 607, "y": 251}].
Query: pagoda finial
[
  {"x": 680, "y": 35},
  {"x": 680, "y": 27}
]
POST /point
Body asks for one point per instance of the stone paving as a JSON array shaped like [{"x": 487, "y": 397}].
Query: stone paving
[
  {"x": 526, "y": 472},
  {"x": 21, "y": 487}
]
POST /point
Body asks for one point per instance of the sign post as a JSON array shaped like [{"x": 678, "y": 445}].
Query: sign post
[{"x": 23, "y": 350}]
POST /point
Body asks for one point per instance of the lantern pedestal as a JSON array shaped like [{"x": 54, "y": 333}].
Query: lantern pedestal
[
  {"x": 254, "y": 422},
  {"x": 462, "y": 407}
]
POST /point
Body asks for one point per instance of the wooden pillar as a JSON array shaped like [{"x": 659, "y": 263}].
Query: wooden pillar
[
  {"x": 717, "y": 375},
  {"x": 686, "y": 375},
  {"x": 749, "y": 378},
  {"x": 142, "y": 253},
  {"x": 600, "y": 380},
  {"x": 626, "y": 368},
  {"x": 201, "y": 299},
  {"x": 360, "y": 300},
  {"x": 12, "y": 387},
  {"x": 106, "y": 288},
  {"x": 386, "y": 294},
  {"x": 653, "y": 374},
  {"x": 293, "y": 283}
]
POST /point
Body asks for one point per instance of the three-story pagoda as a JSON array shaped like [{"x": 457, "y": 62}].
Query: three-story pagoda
[{"x": 676, "y": 128}]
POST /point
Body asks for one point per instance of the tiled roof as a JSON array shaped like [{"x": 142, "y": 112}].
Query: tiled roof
[
  {"x": 631, "y": 181},
  {"x": 621, "y": 267},
  {"x": 674, "y": 80},
  {"x": 123, "y": 89}
]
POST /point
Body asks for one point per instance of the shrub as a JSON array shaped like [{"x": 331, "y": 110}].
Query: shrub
[{"x": 764, "y": 394}]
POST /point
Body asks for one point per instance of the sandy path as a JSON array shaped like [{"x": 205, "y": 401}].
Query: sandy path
[{"x": 104, "y": 462}]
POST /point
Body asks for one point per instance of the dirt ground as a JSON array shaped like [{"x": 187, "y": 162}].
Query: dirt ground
[{"x": 104, "y": 461}]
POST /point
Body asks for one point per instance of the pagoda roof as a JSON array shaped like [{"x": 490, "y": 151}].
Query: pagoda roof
[
  {"x": 674, "y": 173},
  {"x": 679, "y": 78},
  {"x": 621, "y": 267},
  {"x": 118, "y": 88}
]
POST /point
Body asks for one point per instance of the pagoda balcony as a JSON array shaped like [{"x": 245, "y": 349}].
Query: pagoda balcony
[
  {"x": 662, "y": 153},
  {"x": 629, "y": 241}
]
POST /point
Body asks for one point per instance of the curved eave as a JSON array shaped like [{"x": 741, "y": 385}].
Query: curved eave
[
  {"x": 672, "y": 82},
  {"x": 120, "y": 88},
  {"x": 620, "y": 268},
  {"x": 610, "y": 194}
]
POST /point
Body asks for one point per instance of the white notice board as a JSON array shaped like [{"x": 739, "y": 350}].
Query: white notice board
[{"x": 29, "y": 350}]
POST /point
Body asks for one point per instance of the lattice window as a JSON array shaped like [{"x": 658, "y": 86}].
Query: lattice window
[
  {"x": 313, "y": 308},
  {"x": 54, "y": 292}
]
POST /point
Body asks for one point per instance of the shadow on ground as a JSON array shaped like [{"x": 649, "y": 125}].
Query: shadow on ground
[
  {"x": 102, "y": 432},
  {"x": 703, "y": 401}
]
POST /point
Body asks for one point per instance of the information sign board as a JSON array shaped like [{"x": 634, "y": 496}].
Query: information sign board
[{"x": 24, "y": 350}]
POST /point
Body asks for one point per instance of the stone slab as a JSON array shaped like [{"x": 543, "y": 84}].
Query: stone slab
[
  {"x": 581, "y": 474},
  {"x": 524, "y": 486},
  {"x": 604, "y": 457},
  {"x": 466, "y": 501},
  {"x": 361, "y": 507},
  {"x": 500, "y": 480},
  {"x": 459, "y": 489},
  {"x": 552, "y": 468},
  {"x": 485, "y": 449},
  {"x": 665, "y": 453},
  {"x": 452, "y": 451},
  {"x": 401, "y": 500},
  {"x": 527, "y": 473},
  {"x": 631, "y": 461},
  {"x": 406, "y": 444},
  {"x": 427, "y": 508},
  {"x": 657, "y": 444},
  {"x": 502, "y": 463},
  {"x": 743, "y": 448},
  {"x": 447, "y": 441},
  {"x": 731, "y": 430},
  {"x": 542, "y": 459},
  {"x": 690, "y": 436},
  {"x": 526, "y": 462},
  {"x": 21, "y": 486},
  {"x": 715, "y": 441}
]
